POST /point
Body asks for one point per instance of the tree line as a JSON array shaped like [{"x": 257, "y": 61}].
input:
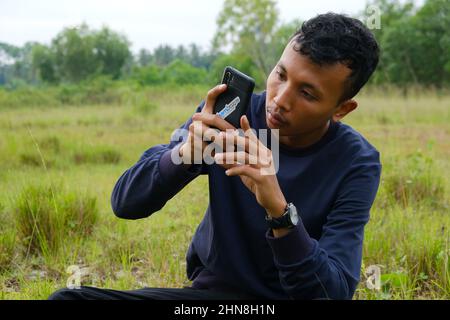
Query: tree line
[{"x": 414, "y": 41}]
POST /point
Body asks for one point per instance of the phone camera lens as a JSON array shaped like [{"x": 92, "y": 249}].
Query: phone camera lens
[{"x": 227, "y": 77}]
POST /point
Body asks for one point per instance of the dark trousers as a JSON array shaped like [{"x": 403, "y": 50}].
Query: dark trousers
[{"x": 186, "y": 293}]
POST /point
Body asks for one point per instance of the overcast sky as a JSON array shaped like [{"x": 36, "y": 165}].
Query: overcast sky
[{"x": 146, "y": 23}]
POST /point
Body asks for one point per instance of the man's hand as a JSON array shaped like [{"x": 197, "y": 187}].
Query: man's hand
[
  {"x": 204, "y": 120},
  {"x": 254, "y": 166}
]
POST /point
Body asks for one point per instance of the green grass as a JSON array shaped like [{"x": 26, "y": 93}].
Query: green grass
[{"x": 60, "y": 163}]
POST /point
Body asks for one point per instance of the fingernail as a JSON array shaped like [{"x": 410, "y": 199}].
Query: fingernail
[
  {"x": 227, "y": 172},
  {"x": 222, "y": 86}
]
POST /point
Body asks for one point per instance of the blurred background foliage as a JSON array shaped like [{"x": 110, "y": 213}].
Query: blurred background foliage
[{"x": 81, "y": 61}]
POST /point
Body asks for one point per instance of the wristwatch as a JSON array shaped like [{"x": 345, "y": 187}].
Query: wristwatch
[{"x": 289, "y": 219}]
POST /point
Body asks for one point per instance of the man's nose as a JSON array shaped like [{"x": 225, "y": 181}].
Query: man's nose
[{"x": 282, "y": 98}]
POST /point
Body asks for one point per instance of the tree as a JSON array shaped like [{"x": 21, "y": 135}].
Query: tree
[
  {"x": 78, "y": 53},
  {"x": 249, "y": 27},
  {"x": 149, "y": 75},
  {"x": 163, "y": 55},
  {"x": 111, "y": 52},
  {"x": 181, "y": 53},
  {"x": 432, "y": 59},
  {"x": 393, "y": 13},
  {"x": 242, "y": 63},
  {"x": 74, "y": 54},
  {"x": 180, "y": 72},
  {"x": 144, "y": 57},
  {"x": 282, "y": 36},
  {"x": 16, "y": 64},
  {"x": 43, "y": 60},
  {"x": 415, "y": 46}
]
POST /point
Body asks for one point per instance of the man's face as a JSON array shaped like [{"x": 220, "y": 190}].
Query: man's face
[{"x": 302, "y": 96}]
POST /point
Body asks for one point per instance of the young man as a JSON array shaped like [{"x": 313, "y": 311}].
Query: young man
[{"x": 293, "y": 234}]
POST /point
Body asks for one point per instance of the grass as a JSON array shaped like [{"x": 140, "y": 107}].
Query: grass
[
  {"x": 60, "y": 163},
  {"x": 47, "y": 218}
]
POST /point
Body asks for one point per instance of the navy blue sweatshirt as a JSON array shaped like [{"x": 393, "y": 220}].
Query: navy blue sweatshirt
[{"x": 332, "y": 183}]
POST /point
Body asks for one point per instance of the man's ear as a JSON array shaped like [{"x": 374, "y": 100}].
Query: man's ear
[{"x": 344, "y": 108}]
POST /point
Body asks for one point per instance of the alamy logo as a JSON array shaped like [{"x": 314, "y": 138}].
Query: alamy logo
[{"x": 229, "y": 108}]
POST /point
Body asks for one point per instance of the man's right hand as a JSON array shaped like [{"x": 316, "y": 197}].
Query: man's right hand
[{"x": 187, "y": 150}]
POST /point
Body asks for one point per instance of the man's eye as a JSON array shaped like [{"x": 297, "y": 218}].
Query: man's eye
[
  {"x": 307, "y": 95},
  {"x": 280, "y": 75}
]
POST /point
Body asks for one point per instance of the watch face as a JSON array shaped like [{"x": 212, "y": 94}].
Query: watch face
[{"x": 293, "y": 215}]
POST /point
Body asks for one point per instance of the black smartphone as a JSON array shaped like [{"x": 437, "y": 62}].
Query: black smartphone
[{"x": 232, "y": 104}]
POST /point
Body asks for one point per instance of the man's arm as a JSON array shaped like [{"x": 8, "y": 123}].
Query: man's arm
[
  {"x": 152, "y": 181},
  {"x": 330, "y": 267}
]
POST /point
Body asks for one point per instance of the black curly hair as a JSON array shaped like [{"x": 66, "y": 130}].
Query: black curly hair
[{"x": 335, "y": 38}]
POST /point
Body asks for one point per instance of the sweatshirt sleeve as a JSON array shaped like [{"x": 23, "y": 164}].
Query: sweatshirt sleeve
[
  {"x": 146, "y": 187},
  {"x": 330, "y": 267}
]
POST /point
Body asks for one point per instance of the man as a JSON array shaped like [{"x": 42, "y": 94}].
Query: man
[{"x": 296, "y": 233}]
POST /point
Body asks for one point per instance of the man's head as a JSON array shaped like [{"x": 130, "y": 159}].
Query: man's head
[{"x": 324, "y": 65}]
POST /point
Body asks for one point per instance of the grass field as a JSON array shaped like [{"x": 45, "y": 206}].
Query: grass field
[{"x": 58, "y": 166}]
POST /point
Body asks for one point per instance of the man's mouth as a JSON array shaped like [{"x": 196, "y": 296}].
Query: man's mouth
[{"x": 274, "y": 118}]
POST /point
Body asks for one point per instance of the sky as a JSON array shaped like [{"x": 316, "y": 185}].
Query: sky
[{"x": 146, "y": 24}]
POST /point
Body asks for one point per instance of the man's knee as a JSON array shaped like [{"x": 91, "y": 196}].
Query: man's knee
[{"x": 65, "y": 294}]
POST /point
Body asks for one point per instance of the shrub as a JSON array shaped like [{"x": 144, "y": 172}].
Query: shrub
[
  {"x": 27, "y": 96},
  {"x": 7, "y": 241},
  {"x": 30, "y": 159},
  {"x": 7, "y": 245},
  {"x": 46, "y": 217},
  {"x": 33, "y": 159},
  {"x": 144, "y": 107},
  {"x": 149, "y": 75},
  {"x": 414, "y": 180},
  {"x": 102, "y": 155},
  {"x": 182, "y": 73},
  {"x": 51, "y": 143}
]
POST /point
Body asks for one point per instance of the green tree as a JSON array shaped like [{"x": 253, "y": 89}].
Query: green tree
[
  {"x": 416, "y": 47},
  {"x": 163, "y": 55},
  {"x": 111, "y": 52},
  {"x": 16, "y": 67},
  {"x": 74, "y": 54},
  {"x": 242, "y": 63},
  {"x": 43, "y": 60},
  {"x": 180, "y": 72},
  {"x": 149, "y": 75},
  {"x": 393, "y": 13},
  {"x": 144, "y": 57},
  {"x": 432, "y": 25},
  {"x": 282, "y": 36},
  {"x": 78, "y": 53},
  {"x": 249, "y": 27}
]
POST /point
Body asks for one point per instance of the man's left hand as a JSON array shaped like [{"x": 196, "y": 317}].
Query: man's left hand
[{"x": 255, "y": 166}]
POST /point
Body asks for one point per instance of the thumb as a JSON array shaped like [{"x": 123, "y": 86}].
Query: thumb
[
  {"x": 245, "y": 125},
  {"x": 211, "y": 97}
]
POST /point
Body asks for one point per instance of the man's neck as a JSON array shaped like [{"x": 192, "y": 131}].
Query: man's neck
[{"x": 304, "y": 140}]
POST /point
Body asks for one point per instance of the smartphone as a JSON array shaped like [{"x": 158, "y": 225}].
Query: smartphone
[{"x": 232, "y": 104}]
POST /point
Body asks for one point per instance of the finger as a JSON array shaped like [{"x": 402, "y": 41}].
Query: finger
[
  {"x": 196, "y": 130},
  {"x": 212, "y": 96},
  {"x": 263, "y": 151},
  {"x": 245, "y": 125},
  {"x": 243, "y": 170},
  {"x": 240, "y": 157},
  {"x": 226, "y": 166},
  {"x": 213, "y": 120},
  {"x": 203, "y": 131},
  {"x": 232, "y": 137}
]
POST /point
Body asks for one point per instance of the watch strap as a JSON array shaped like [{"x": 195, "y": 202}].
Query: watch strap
[{"x": 283, "y": 221}]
